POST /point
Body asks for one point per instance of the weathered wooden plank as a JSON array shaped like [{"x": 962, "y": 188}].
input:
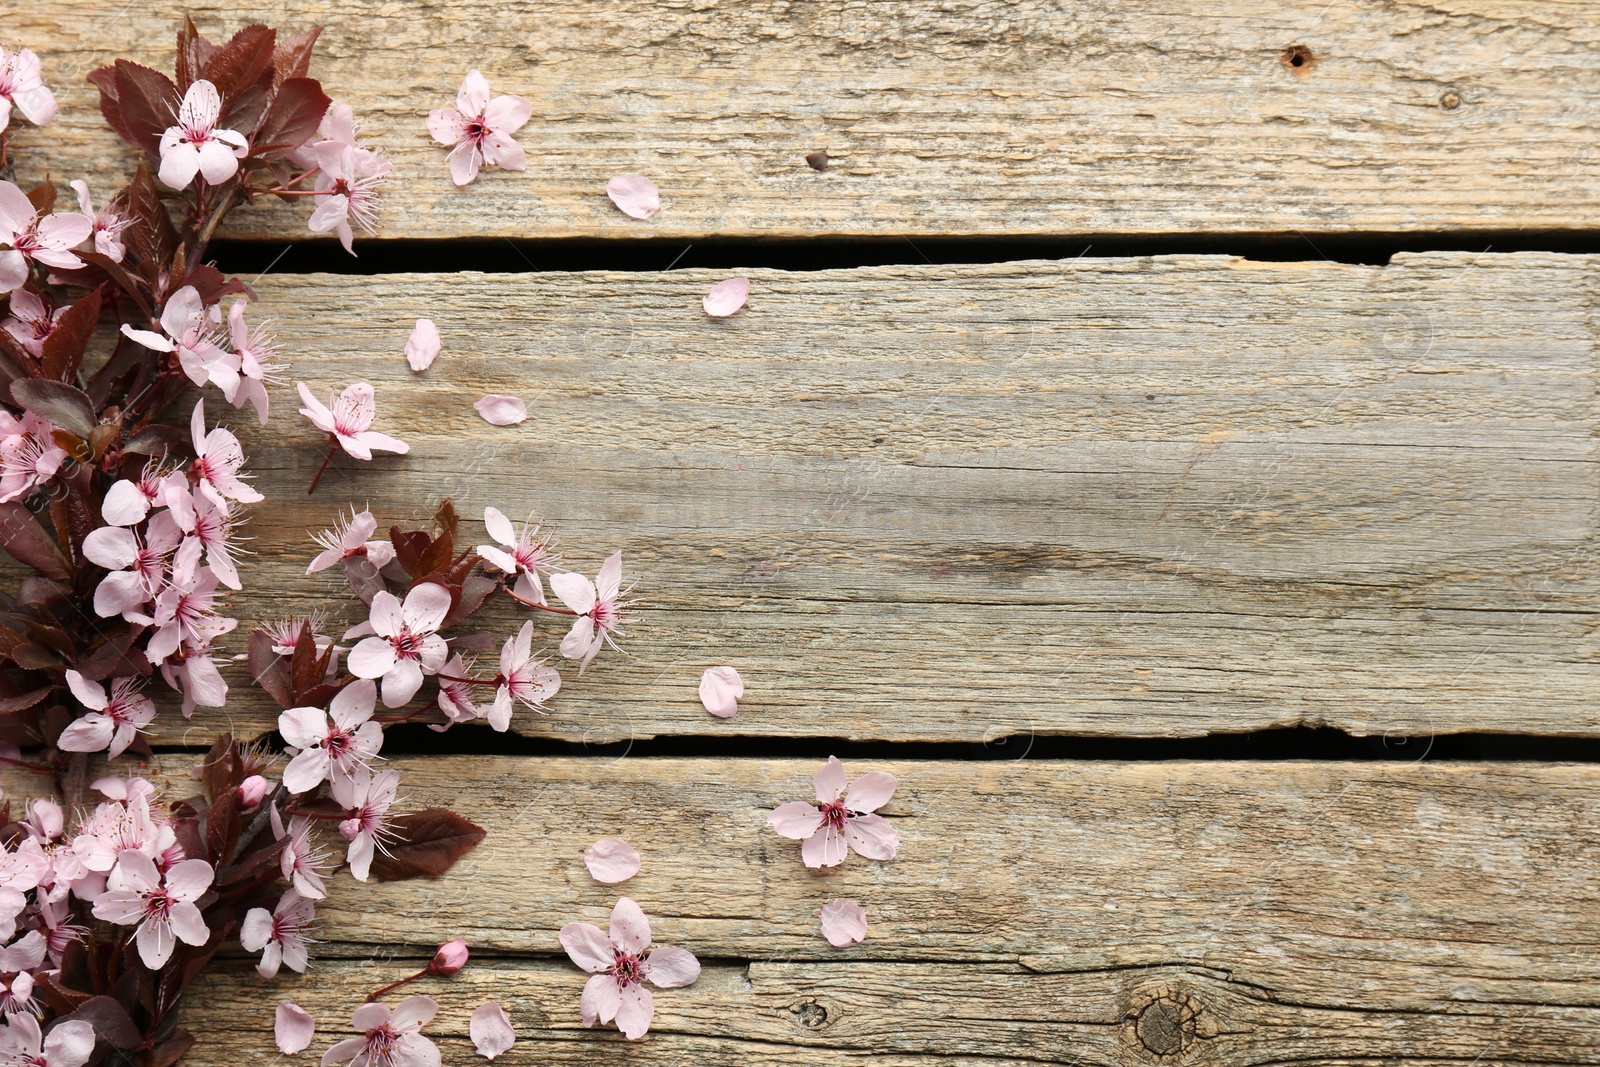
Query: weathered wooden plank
[
  {"x": 953, "y": 119},
  {"x": 1119, "y": 497},
  {"x": 1305, "y": 912}
]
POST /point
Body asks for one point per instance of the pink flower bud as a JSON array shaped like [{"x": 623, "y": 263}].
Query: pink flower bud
[
  {"x": 252, "y": 791},
  {"x": 451, "y": 957}
]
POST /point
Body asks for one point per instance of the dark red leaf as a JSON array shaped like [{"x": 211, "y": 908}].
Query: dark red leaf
[
  {"x": 64, "y": 348},
  {"x": 408, "y": 547},
  {"x": 22, "y": 362},
  {"x": 119, "y": 274},
  {"x": 29, "y": 543},
  {"x": 43, "y": 198},
  {"x": 171, "y": 1050},
  {"x": 474, "y": 591},
  {"x": 157, "y": 439},
  {"x": 292, "y": 57},
  {"x": 190, "y": 64},
  {"x": 219, "y": 771},
  {"x": 292, "y": 119},
  {"x": 110, "y": 1020},
  {"x": 61, "y": 999},
  {"x": 65, "y": 405},
  {"x": 222, "y": 827},
  {"x": 114, "y": 657},
  {"x": 242, "y": 72},
  {"x": 105, "y": 79},
  {"x": 25, "y": 701},
  {"x": 268, "y": 669},
  {"x": 147, "y": 100},
  {"x": 213, "y": 285},
  {"x": 429, "y": 843},
  {"x": 150, "y": 232}
]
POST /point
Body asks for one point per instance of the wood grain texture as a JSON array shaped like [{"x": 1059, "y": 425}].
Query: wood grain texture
[
  {"x": 967, "y": 118},
  {"x": 1042, "y": 912},
  {"x": 1158, "y": 497}
]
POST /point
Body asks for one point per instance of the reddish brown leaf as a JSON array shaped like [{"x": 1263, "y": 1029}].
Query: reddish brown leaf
[
  {"x": 190, "y": 64},
  {"x": 65, "y": 405},
  {"x": 292, "y": 57},
  {"x": 268, "y": 669},
  {"x": 146, "y": 99},
  {"x": 29, "y": 543},
  {"x": 64, "y": 348},
  {"x": 430, "y": 842},
  {"x": 150, "y": 232},
  {"x": 292, "y": 118},
  {"x": 43, "y": 198},
  {"x": 25, "y": 701}
]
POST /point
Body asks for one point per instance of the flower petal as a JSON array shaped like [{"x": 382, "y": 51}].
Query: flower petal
[
  {"x": 635, "y": 195},
  {"x": 490, "y": 1030},
  {"x": 630, "y": 930},
  {"x": 795, "y": 820},
  {"x": 609, "y": 859},
  {"x": 293, "y": 1028},
  {"x": 670, "y": 967},
  {"x": 601, "y": 999},
  {"x": 843, "y": 923},
  {"x": 587, "y": 946},
  {"x": 720, "y": 691},
  {"x": 423, "y": 346},
  {"x": 500, "y": 410},
  {"x": 726, "y": 297},
  {"x": 824, "y": 849},
  {"x": 638, "y": 1008},
  {"x": 870, "y": 792},
  {"x": 829, "y": 781},
  {"x": 871, "y": 836}
]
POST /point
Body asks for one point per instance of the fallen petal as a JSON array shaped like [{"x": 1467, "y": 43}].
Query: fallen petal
[
  {"x": 843, "y": 922},
  {"x": 293, "y": 1028},
  {"x": 611, "y": 860},
  {"x": 721, "y": 689},
  {"x": 636, "y": 195},
  {"x": 491, "y": 1031},
  {"x": 726, "y": 297},
  {"x": 502, "y": 410},
  {"x": 423, "y": 348}
]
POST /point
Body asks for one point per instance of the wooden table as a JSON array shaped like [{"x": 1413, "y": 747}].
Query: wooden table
[{"x": 947, "y": 518}]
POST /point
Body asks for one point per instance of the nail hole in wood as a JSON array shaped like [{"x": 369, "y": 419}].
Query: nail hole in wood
[
  {"x": 1298, "y": 58},
  {"x": 1450, "y": 100}
]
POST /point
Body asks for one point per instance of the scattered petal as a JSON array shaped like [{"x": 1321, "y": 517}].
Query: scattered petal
[
  {"x": 423, "y": 347},
  {"x": 726, "y": 297},
  {"x": 491, "y": 1031},
  {"x": 636, "y": 195},
  {"x": 818, "y": 160},
  {"x": 721, "y": 689},
  {"x": 843, "y": 923},
  {"x": 293, "y": 1028},
  {"x": 611, "y": 860},
  {"x": 498, "y": 410}
]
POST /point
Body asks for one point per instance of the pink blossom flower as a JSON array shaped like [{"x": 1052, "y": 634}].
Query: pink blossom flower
[
  {"x": 29, "y": 456},
  {"x": 18, "y": 961},
  {"x": 120, "y": 824},
  {"x": 112, "y": 721},
  {"x": 840, "y": 818},
  {"x": 252, "y": 791},
  {"x": 279, "y": 935},
  {"x": 611, "y": 860},
  {"x": 195, "y": 145},
  {"x": 367, "y": 828},
  {"x": 218, "y": 457},
  {"x": 162, "y": 906},
  {"x": 351, "y": 538},
  {"x": 69, "y": 1044},
  {"x": 108, "y": 223},
  {"x": 137, "y": 568},
  {"x": 332, "y": 746},
  {"x": 620, "y": 968},
  {"x": 129, "y": 500},
  {"x": 500, "y": 410},
  {"x": 347, "y": 190},
  {"x": 726, "y": 297},
  {"x": 635, "y": 195},
  {"x": 523, "y": 678},
  {"x": 30, "y": 321},
  {"x": 524, "y": 554},
  {"x": 300, "y": 860},
  {"x": 455, "y": 695},
  {"x": 190, "y": 329},
  {"x": 599, "y": 607},
  {"x": 207, "y": 525},
  {"x": 389, "y": 1038},
  {"x": 46, "y": 821},
  {"x": 338, "y": 124},
  {"x": 257, "y": 353},
  {"x": 480, "y": 129},
  {"x": 48, "y": 239},
  {"x": 490, "y": 1030},
  {"x": 184, "y": 610},
  {"x": 292, "y": 1028},
  {"x": 843, "y": 922},
  {"x": 422, "y": 348},
  {"x": 406, "y": 644},
  {"x": 350, "y": 421},
  {"x": 721, "y": 689},
  {"x": 193, "y": 672},
  {"x": 450, "y": 958},
  {"x": 22, "y": 87}
]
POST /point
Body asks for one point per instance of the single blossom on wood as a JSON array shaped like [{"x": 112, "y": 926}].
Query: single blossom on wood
[
  {"x": 405, "y": 644},
  {"x": 280, "y": 935},
  {"x": 191, "y": 329},
  {"x": 332, "y": 746},
  {"x": 350, "y": 420},
  {"x": 619, "y": 968},
  {"x": 195, "y": 145},
  {"x": 389, "y": 1037},
  {"x": 522, "y": 553},
  {"x": 479, "y": 129},
  {"x": 351, "y": 538},
  {"x": 599, "y": 607},
  {"x": 348, "y": 184},
  {"x": 22, "y": 87},
  {"x": 161, "y": 906},
  {"x": 113, "y": 720},
  {"x": 523, "y": 678},
  {"x": 840, "y": 819},
  {"x": 368, "y": 826}
]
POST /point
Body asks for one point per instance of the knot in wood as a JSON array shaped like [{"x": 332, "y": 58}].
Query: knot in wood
[
  {"x": 810, "y": 1014},
  {"x": 1166, "y": 1025}
]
